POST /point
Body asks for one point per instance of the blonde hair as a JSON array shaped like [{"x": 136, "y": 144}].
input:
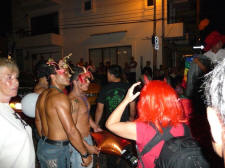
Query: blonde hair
[{"x": 8, "y": 63}]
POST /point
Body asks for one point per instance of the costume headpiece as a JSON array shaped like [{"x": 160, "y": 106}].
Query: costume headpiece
[
  {"x": 85, "y": 74},
  {"x": 61, "y": 66},
  {"x": 212, "y": 39}
]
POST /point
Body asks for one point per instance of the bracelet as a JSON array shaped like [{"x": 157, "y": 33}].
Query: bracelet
[{"x": 85, "y": 155}]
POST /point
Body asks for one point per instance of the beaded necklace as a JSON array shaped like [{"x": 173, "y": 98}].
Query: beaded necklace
[{"x": 56, "y": 88}]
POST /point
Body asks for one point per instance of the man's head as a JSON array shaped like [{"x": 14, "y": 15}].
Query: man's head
[
  {"x": 214, "y": 41},
  {"x": 8, "y": 79},
  {"x": 215, "y": 95},
  {"x": 148, "y": 63},
  {"x": 43, "y": 73},
  {"x": 58, "y": 73},
  {"x": 81, "y": 78},
  {"x": 114, "y": 73}
]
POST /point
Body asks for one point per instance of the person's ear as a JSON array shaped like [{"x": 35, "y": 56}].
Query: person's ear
[{"x": 215, "y": 125}]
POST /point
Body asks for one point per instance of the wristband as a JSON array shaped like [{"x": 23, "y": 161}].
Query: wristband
[{"x": 85, "y": 155}]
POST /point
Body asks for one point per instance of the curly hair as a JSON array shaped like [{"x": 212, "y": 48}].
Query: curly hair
[{"x": 159, "y": 104}]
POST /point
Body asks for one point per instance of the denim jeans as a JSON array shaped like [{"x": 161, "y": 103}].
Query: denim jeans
[
  {"x": 53, "y": 156},
  {"x": 75, "y": 158}
]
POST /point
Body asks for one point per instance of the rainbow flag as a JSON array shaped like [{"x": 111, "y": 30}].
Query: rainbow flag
[{"x": 188, "y": 61}]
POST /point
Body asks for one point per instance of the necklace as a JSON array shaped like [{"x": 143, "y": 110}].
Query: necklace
[{"x": 56, "y": 88}]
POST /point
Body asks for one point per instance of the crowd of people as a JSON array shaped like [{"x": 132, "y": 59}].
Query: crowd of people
[{"x": 135, "y": 109}]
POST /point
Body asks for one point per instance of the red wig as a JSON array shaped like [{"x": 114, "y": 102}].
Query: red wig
[{"x": 159, "y": 104}]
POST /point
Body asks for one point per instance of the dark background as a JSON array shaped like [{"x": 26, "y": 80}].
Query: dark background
[
  {"x": 5, "y": 18},
  {"x": 214, "y": 10}
]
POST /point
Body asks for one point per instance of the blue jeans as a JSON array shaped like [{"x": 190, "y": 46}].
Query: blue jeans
[
  {"x": 53, "y": 156},
  {"x": 75, "y": 158}
]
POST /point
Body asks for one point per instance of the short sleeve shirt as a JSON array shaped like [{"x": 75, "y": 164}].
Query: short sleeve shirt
[{"x": 111, "y": 95}]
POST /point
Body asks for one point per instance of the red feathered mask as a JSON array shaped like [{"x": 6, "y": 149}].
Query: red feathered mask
[
  {"x": 86, "y": 74},
  {"x": 62, "y": 66}
]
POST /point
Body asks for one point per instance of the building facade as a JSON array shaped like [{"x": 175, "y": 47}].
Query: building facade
[{"x": 96, "y": 30}]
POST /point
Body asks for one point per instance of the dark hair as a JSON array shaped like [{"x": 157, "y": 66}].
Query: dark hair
[
  {"x": 43, "y": 71},
  {"x": 46, "y": 70},
  {"x": 214, "y": 88},
  {"x": 116, "y": 70},
  {"x": 76, "y": 71}
]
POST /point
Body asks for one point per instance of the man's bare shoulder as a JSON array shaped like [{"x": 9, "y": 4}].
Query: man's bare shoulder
[
  {"x": 59, "y": 98},
  {"x": 42, "y": 95},
  {"x": 39, "y": 90},
  {"x": 53, "y": 96}
]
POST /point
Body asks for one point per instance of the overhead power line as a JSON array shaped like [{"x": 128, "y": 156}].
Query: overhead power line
[{"x": 108, "y": 24}]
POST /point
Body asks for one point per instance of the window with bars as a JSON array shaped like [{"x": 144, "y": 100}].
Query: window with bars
[
  {"x": 150, "y": 2},
  {"x": 115, "y": 55}
]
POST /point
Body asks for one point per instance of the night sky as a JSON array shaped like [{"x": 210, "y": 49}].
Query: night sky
[
  {"x": 214, "y": 10},
  {"x": 5, "y": 18}
]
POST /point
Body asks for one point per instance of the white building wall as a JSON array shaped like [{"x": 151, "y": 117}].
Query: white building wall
[{"x": 134, "y": 17}]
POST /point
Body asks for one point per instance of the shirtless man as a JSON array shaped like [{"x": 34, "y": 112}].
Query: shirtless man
[
  {"x": 54, "y": 122},
  {"x": 42, "y": 79},
  {"x": 81, "y": 116}
]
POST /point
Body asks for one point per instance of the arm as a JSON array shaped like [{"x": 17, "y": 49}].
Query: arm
[
  {"x": 123, "y": 129},
  {"x": 132, "y": 110},
  {"x": 201, "y": 66},
  {"x": 98, "y": 112},
  {"x": 93, "y": 125},
  {"x": 92, "y": 149},
  {"x": 38, "y": 121},
  {"x": 64, "y": 113}
]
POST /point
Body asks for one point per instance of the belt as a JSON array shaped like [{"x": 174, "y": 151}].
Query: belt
[{"x": 53, "y": 142}]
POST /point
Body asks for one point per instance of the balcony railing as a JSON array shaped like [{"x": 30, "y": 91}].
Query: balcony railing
[{"x": 49, "y": 39}]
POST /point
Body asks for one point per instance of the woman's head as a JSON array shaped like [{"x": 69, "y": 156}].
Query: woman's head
[
  {"x": 8, "y": 63},
  {"x": 158, "y": 103}
]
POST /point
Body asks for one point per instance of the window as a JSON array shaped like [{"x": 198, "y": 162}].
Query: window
[
  {"x": 149, "y": 2},
  {"x": 45, "y": 24},
  {"x": 178, "y": 10},
  {"x": 115, "y": 55},
  {"x": 88, "y": 5}
]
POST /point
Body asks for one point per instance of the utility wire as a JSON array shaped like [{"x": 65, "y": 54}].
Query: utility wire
[
  {"x": 112, "y": 21},
  {"x": 109, "y": 24},
  {"x": 105, "y": 16}
]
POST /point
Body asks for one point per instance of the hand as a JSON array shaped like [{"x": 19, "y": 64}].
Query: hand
[
  {"x": 97, "y": 129},
  {"x": 86, "y": 161},
  {"x": 92, "y": 149},
  {"x": 130, "y": 95},
  {"x": 195, "y": 60}
]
